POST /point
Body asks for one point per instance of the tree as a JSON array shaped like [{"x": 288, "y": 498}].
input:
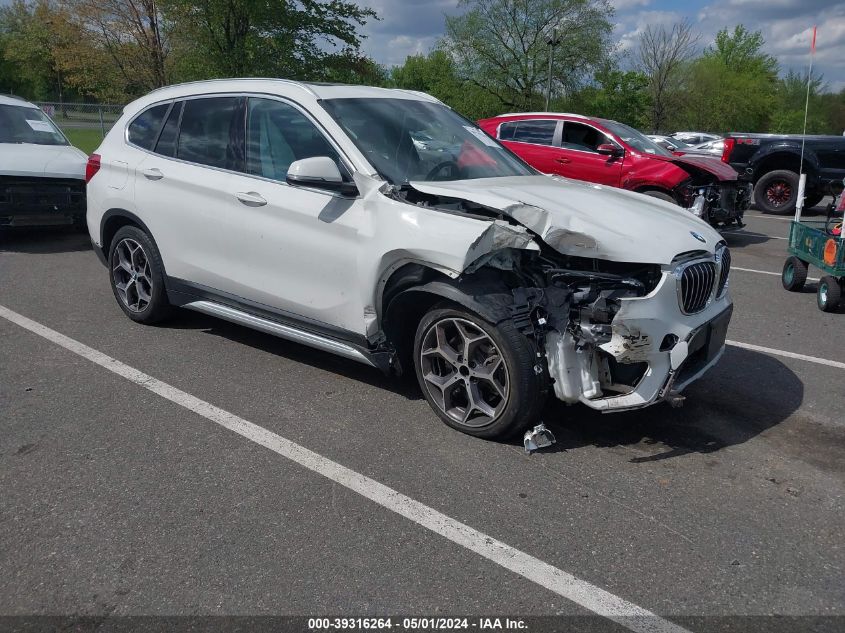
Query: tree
[
  {"x": 501, "y": 46},
  {"x": 277, "y": 38},
  {"x": 29, "y": 49},
  {"x": 791, "y": 95},
  {"x": 731, "y": 87},
  {"x": 741, "y": 51},
  {"x": 615, "y": 94},
  {"x": 436, "y": 74},
  {"x": 129, "y": 33},
  {"x": 663, "y": 53}
]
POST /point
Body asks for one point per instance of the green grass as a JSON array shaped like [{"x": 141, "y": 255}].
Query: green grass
[{"x": 86, "y": 140}]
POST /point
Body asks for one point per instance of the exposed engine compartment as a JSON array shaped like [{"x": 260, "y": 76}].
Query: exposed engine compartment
[{"x": 565, "y": 304}]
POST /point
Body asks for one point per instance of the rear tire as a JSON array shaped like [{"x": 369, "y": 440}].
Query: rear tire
[
  {"x": 478, "y": 377},
  {"x": 137, "y": 276},
  {"x": 777, "y": 192},
  {"x": 794, "y": 274},
  {"x": 829, "y": 295}
]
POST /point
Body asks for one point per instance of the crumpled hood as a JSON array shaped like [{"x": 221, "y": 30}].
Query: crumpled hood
[
  {"x": 710, "y": 164},
  {"x": 45, "y": 161},
  {"x": 587, "y": 220}
]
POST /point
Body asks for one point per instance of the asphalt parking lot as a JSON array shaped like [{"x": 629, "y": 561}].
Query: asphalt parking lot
[{"x": 118, "y": 501}]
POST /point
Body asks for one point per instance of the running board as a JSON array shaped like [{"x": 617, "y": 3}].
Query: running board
[{"x": 282, "y": 331}]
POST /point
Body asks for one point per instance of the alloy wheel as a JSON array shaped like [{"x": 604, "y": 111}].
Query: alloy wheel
[
  {"x": 464, "y": 372},
  {"x": 778, "y": 193},
  {"x": 131, "y": 275}
]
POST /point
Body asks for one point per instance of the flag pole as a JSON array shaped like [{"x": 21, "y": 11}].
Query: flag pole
[{"x": 802, "y": 178}]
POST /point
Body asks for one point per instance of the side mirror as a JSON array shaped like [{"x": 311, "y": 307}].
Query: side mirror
[
  {"x": 609, "y": 149},
  {"x": 319, "y": 172}
]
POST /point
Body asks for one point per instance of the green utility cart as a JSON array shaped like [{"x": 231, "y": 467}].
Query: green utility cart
[{"x": 822, "y": 244}]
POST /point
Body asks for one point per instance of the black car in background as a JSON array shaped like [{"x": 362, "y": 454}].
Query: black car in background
[{"x": 772, "y": 163}]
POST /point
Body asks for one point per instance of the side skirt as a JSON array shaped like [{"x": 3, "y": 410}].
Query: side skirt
[{"x": 283, "y": 331}]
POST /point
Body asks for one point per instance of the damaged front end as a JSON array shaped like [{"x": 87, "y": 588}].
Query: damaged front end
[
  {"x": 612, "y": 335},
  {"x": 721, "y": 204}
]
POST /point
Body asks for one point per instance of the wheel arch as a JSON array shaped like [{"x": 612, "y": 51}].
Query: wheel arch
[
  {"x": 656, "y": 188},
  {"x": 413, "y": 289},
  {"x": 784, "y": 159},
  {"x": 112, "y": 221}
]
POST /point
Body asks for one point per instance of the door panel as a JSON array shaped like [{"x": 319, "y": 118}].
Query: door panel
[
  {"x": 297, "y": 248},
  {"x": 578, "y": 146}
]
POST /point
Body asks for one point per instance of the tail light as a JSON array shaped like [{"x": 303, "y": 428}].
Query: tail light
[
  {"x": 92, "y": 167},
  {"x": 726, "y": 152}
]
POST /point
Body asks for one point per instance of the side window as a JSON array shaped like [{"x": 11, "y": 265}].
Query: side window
[
  {"x": 537, "y": 132},
  {"x": 277, "y": 135},
  {"x": 582, "y": 137},
  {"x": 506, "y": 131},
  {"x": 143, "y": 131},
  {"x": 211, "y": 132},
  {"x": 166, "y": 145}
]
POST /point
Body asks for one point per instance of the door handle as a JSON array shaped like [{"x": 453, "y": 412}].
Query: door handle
[
  {"x": 251, "y": 199},
  {"x": 563, "y": 161},
  {"x": 153, "y": 173}
]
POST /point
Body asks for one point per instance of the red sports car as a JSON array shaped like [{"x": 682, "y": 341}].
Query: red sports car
[{"x": 617, "y": 155}]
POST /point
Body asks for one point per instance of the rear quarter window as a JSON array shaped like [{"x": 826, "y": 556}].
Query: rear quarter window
[
  {"x": 526, "y": 131},
  {"x": 144, "y": 129}
]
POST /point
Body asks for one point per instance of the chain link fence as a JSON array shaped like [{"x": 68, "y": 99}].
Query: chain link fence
[{"x": 82, "y": 120}]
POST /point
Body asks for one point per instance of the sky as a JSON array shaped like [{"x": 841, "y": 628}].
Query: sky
[{"x": 413, "y": 26}]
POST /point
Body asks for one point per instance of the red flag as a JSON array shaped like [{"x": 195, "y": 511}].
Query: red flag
[{"x": 813, "y": 47}]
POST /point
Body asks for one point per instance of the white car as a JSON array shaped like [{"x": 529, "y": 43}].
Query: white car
[
  {"x": 42, "y": 177},
  {"x": 695, "y": 138},
  {"x": 306, "y": 211}
]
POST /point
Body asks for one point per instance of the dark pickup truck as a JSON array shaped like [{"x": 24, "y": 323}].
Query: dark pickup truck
[{"x": 771, "y": 162}]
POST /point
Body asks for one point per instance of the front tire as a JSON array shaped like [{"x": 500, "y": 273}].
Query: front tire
[
  {"x": 777, "y": 192},
  {"x": 478, "y": 377},
  {"x": 794, "y": 274},
  {"x": 660, "y": 195},
  {"x": 137, "y": 278},
  {"x": 829, "y": 295}
]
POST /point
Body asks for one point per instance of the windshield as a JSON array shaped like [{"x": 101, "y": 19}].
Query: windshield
[
  {"x": 28, "y": 125},
  {"x": 635, "y": 139},
  {"x": 408, "y": 140}
]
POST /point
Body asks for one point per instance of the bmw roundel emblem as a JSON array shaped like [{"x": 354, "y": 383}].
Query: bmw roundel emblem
[{"x": 697, "y": 236}]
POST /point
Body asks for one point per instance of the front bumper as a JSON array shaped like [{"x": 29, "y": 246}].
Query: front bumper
[
  {"x": 654, "y": 347},
  {"x": 40, "y": 201}
]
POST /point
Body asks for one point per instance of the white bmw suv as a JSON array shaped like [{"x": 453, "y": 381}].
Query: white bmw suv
[{"x": 382, "y": 226}]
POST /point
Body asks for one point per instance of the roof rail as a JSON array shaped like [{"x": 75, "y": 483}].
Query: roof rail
[
  {"x": 299, "y": 84},
  {"x": 576, "y": 116}
]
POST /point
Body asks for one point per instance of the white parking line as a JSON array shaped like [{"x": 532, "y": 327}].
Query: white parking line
[
  {"x": 753, "y": 234},
  {"x": 765, "y": 272},
  {"x": 769, "y": 217},
  {"x": 780, "y": 352},
  {"x": 556, "y": 580}
]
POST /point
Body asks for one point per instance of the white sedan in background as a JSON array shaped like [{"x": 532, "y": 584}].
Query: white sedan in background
[{"x": 42, "y": 176}]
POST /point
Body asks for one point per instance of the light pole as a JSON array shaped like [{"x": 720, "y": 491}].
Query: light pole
[{"x": 552, "y": 41}]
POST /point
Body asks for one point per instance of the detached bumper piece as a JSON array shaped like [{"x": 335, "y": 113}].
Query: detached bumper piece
[{"x": 41, "y": 201}]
